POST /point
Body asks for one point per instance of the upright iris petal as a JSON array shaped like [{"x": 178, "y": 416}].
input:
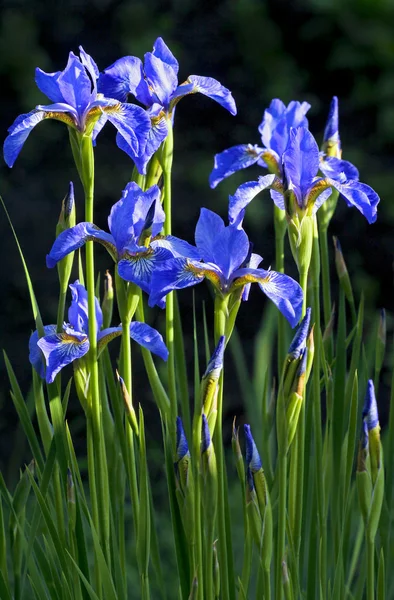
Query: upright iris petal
[
  {"x": 155, "y": 84},
  {"x": 274, "y": 129},
  {"x": 77, "y": 103},
  {"x": 225, "y": 250}
]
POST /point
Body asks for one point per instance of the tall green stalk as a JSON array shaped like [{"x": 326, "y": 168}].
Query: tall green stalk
[
  {"x": 167, "y": 157},
  {"x": 94, "y": 404}
]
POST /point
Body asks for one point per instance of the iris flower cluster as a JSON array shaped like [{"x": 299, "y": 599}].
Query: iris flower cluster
[{"x": 291, "y": 154}]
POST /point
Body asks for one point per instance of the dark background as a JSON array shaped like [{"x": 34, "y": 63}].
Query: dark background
[{"x": 307, "y": 50}]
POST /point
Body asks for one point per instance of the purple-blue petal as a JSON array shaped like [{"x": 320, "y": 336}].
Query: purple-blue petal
[
  {"x": 278, "y": 199},
  {"x": 75, "y": 85},
  {"x": 233, "y": 159},
  {"x": 182, "y": 448},
  {"x": 18, "y": 133},
  {"x": 60, "y": 350},
  {"x": 331, "y": 131},
  {"x": 128, "y": 216},
  {"x": 284, "y": 291},
  {"x": 208, "y": 227},
  {"x": 301, "y": 162},
  {"x": 253, "y": 263},
  {"x": 337, "y": 169},
  {"x": 47, "y": 83},
  {"x": 360, "y": 195},
  {"x": 277, "y": 122},
  {"x": 245, "y": 194},
  {"x": 35, "y": 355},
  {"x": 149, "y": 338},
  {"x": 133, "y": 124},
  {"x": 208, "y": 86},
  {"x": 121, "y": 78},
  {"x": 173, "y": 274},
  {"x": 75, "y": 237},
  {"x": 298, "y": 343},
  {"x": 370, "y": 408},
  {"x": 162, "y": 51},
  {"x": 139, "y": 268},
  {"x": 177, "y": 247},
  {"x": 90, "y": 66},
  {"x": 252, "y": 458},
  {"x": 78, "y": 311},
  {"x": 161, "y": 77}
]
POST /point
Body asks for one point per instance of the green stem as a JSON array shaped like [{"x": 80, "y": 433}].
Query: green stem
[
  {"x": 316, "y": 400},
  {"x": 280, "y": 549},
  {"x": 267, "y": 585},
  {"x": 325, "y": 269},
  {"x": 87, "y": 175},
  {"x": 370, "y": 569},
  {"x": 225, "y": 551},
  {"x": 167, "y": 156},
  {"x": 198, "y": 556},
  {"x": 280, "y": 231}
]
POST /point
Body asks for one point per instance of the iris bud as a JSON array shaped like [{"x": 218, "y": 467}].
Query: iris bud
[
  {"x": 108, "y": 300},
  {"x": 342, "y": 271},
  {"x": 130, "y": 413}
]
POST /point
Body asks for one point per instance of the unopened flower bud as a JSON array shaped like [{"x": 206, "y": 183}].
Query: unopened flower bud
[
  {"x": 130, "y": 413},
  {"x": 67, "y": 214},
  {"x": 342, "y": 272},
  {"x": 210, "y": 379},
  {"x": 108, "y": 300},
  {"x": 331, "y": 141}
]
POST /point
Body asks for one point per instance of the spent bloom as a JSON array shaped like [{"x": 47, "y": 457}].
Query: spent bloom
[
  {"x": 154, "y": 83},
  {"x": 229, "y": 265},
  {"x": 60, "y": 349},
  {"x": 76, "y": 102},
  {"x": 135, "y": 223}
]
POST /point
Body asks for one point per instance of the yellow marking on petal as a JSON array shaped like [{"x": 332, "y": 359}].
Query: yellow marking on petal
[
  {"x": 249, "y": 278},
  {"x": 60, "y": 116},
  {"x": 67, "y": 338},
  {"x": 271, "y": 162},
  {"x": 115, "y": 108},
  {"x": 158, "y": 118},
  {"x": 201, "y": 273}
]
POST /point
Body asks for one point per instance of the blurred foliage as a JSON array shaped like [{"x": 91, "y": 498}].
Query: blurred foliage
[{"x": 305, "y": 50}]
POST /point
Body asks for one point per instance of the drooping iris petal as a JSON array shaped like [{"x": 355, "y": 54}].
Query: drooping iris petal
[
  {"x": 300, "y": 162},
  {"x": 138, "y": 268},
  {"x": 121, "y": 78},
  {"x": 175, "y": 274},
  {"x": 48, "y": 85},
  {"x": 156, "y": 135},
  {"x": 278, "y": 199},
  {"x": 61, "y": 349},
  {"x": 75, "y": 85},
  {"x": 233, "y": 159},
  {"x": 35, "y": 356},
  {"x": 360, "y": 195},
  {"x": 245, "y": 194},
  {"x": 128, "y": 216},
  {"x": 20, "y": 129},
  {"x": 78, "y": 311},
  {"x": 132, "y": 123},
  {"x": 177, "y": 247},
  {"x": 75, "y": 237},
  {"x": 208, "y": 86},
  {"x": 340, "y": 170},
  {"x": 141, "y": 333},
  {"x": 284, "y": 291}
]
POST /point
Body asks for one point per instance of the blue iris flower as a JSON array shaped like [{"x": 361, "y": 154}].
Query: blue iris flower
[
  {"x": 60, "y": 349},
  {"x": 301, "y": 189},
  {"x": 135, "y": 223},
  {"x": 154, "y": 83},
  {"x": 77, "y": 103},
  {"x": 275, "y": 130},
  {"x": 228, "y": 263}
]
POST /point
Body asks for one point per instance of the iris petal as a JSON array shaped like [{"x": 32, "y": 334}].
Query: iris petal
[
  {"x": 162, "y": 78},
  {"x": 139, "y": 268},
  {"x": 340, "y": 170},
  {"x": 141, "y": 333},
  {"x": 75, "y": 85},
  {"x": 35, "y": 355},
  {"x": 18, "y": 134},
  {"x": 360, "y": 195},
  {"x": 245, "y": 194},
  {"x": 75, "y": 237},
  {"x": 128, "y": 216},
  {"x": 61, "y": 349},
  {"x": 162, "y": 51},
  {"x": 301, "y": 162},
  {"x": 78, "y": 311},
  {"x": 121, "y": 78},
  {"x": 132, "y": 123},
  {"x": 233, "y": 159},
  {"x": 209, "y": 226},
  {"x": 47, "y": 83},
  {"x": 174, "y": 274},
  {"x": 177, "y": 247},
  {"x": 208, "y": 86},
  {"x": 284, "y": 291}
]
